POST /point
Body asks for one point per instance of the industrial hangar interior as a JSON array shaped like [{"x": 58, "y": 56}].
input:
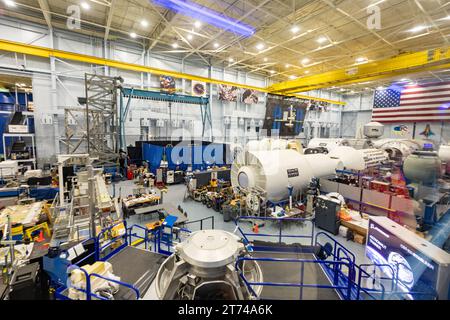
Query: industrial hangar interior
[{"x": 224, "y": 150}]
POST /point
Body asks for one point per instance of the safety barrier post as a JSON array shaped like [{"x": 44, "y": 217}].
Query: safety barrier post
[
  {"x": 279, "y": 236},
  {"x": 302, "y": 273}
]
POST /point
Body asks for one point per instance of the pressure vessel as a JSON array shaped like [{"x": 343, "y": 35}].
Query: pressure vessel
[
  {"x": 353, "y": 159},
  {"x": 444, "y": 153},
  {"x": 422, "y": 167},
  {"x": 273, "y": 171},
  {"x": 328, "y": 144}
]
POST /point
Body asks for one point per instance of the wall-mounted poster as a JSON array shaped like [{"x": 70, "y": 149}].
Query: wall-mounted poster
[
  {"x": 427, "y": 132},
  {"x": 167, "y": 84},
  {"x": 284, "y": 115},
  {"x": 198, "y": 89},
  {"x": 250, "y": 96},
  {"x": 400, "y": 130},
  {"x": 227, "y": 93}
]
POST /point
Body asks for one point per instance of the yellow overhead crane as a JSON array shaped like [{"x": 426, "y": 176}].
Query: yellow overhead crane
[
  {"x": 402, "y": 64},
  {"x": 427, "y": 60},
  {"x": 32, "y": 50}
]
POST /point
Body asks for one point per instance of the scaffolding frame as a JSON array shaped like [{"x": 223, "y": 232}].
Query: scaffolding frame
[{"x": 102, "y": 121}]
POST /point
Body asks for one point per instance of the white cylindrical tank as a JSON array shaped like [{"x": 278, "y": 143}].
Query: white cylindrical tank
[
  {"x": 373, "y": 129},
  {"x": 328, "y": 144},
  {"x": 403, "y": 147},
  {"x": 278, "y": 144},
  {"x": 444, "y": 153},
  {"x": 353, "y": 159},
  {"x": 268, "y": 144},
  {"x": 422, "y": 167},
  {"x": 273, "y": 171}
]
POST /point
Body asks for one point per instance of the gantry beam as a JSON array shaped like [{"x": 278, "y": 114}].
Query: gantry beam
[
  {"x": 162, "y": 27},
  {"x": 43, "y": 4},
  {"x": 38, "y": 51},
  {"x": 109, "y": 19},
  {"x": 402, "y": 64}
]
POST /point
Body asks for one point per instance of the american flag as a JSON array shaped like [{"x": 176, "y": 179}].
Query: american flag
[{"x": 412, "y": 103}]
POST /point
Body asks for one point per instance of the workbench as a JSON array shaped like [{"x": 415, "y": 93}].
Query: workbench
[
  {"x": 358, "y": 224},
  {"x": 141, "y": 200},
  {"x": 143, "y": 204},
  {"x": 25, "y": 214}
]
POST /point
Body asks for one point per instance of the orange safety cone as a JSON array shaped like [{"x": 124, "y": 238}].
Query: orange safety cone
[
  {"x": 40, "y": 238},
  {"x": 255, "y": 228}
]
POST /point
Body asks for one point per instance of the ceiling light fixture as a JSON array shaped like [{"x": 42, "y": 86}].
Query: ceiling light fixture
[
  {"x": 260, "y": 46},
  {"x": 306, "y": 71},
  {"x": 85, "y": 5},
  {"x": 295, "y": 29},
  {"x": 216, "y": 45},
  {"x": 175, "y": 45},
  {"x": 380, "y": 88},
  {"x": 230, "y": 59},
  {"x": 9, "y": 3},
  {"x": 197, "y": 24},
  {"x": 292, "y": 77},
  {"x": 418, "y": 28},
  {"x": 287, "y": 65},
  {"x": 144, "y": 23},
  {"x": 189, "y": 36},
  {"x": 321, "y": 40},
  {"x": 206, "y": 15},
  {"x": 306, "y": 61},
  {"x": 133, "y": 35},
  {"x": 361, "y": 59},
  {"x": 265, "y": 59},
  {"x": 272, "y": 71}
]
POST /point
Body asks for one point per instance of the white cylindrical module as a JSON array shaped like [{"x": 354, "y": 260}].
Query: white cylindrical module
[
  {"x": 328, "y": 144},
  {"x": 258, "y": 145},
  {"x": 268, "y": 144},
  {"x": 401, "y": 147},
  {"x": 278, "y": 144},
  {"x": 373, "y": 130},
  {"x": 444, "y": 153},
  {"x": 273, "y": 171},
  {"x": 422, "y": 167},
  {"x": 353, "y": 159}
]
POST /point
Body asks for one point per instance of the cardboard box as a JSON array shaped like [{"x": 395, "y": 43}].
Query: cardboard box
[{"x": 358, "y": 238}]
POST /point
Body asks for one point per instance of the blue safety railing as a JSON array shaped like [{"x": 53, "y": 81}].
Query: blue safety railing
[
  {"x": 338, "y": 281},
  {"x": 338, "y": 263},
  {"x": 145, "y": 239},
  {"x": 88, "y": 286},
  {"x": 279, "y": 236},
  {"x": 101, "y": 246}
]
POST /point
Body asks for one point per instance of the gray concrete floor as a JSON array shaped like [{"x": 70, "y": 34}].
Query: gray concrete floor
[{"x": 196, "y": 210}]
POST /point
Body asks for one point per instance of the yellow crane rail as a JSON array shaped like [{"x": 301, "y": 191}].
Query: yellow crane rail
[
  {"x": 32, "y": 50},
  {"x": 402, "y": 64}
]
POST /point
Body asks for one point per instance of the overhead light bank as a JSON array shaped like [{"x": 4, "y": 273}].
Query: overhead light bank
[{"x": 198, "y": 12}]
